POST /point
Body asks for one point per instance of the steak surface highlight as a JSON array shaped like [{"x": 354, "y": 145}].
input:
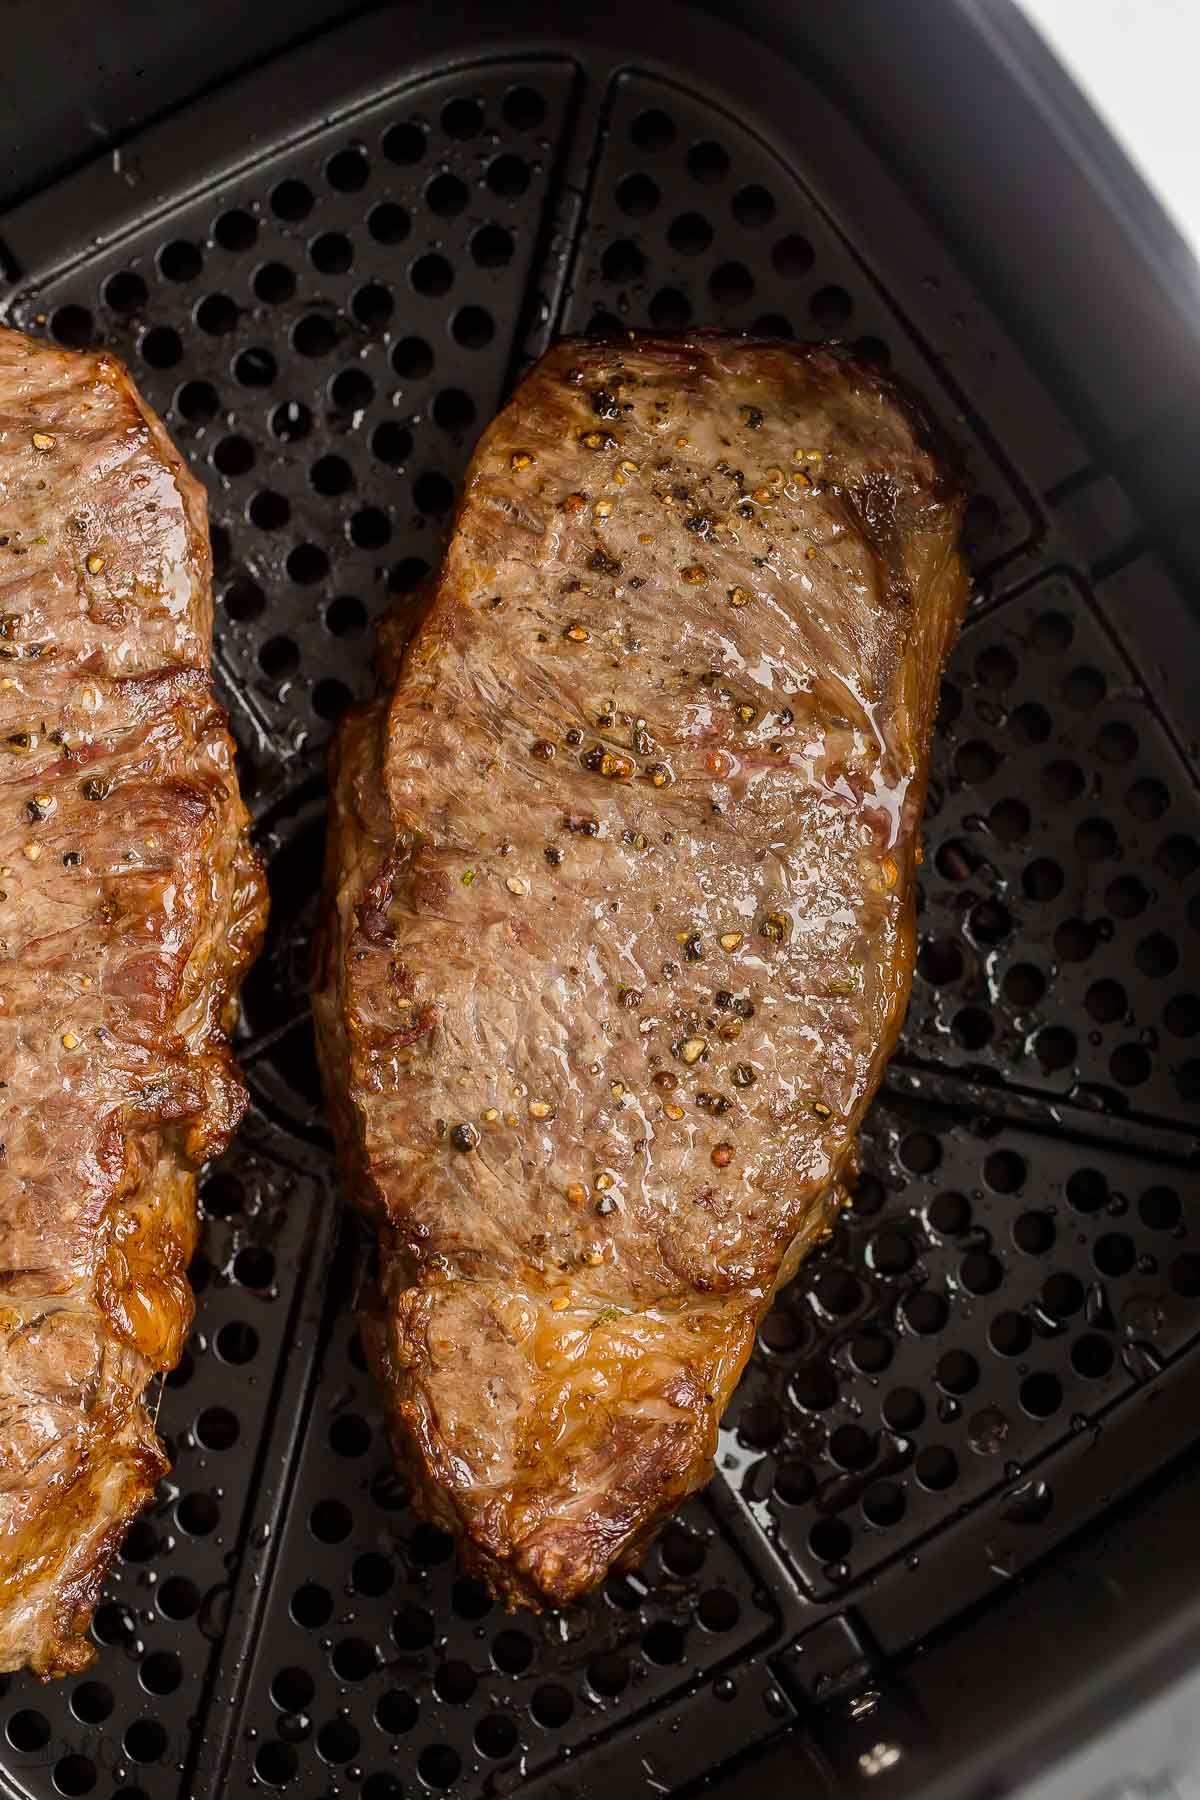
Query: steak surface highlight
[
  {"x": 619, "y": 916},
  {"x": 130, "y": 903}
]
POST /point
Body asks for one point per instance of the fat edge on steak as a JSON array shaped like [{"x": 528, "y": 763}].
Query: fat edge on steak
[{"x": 619, "y": 916}]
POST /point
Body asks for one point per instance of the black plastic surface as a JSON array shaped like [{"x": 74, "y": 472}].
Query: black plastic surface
[{"x": 326, "y": 279}]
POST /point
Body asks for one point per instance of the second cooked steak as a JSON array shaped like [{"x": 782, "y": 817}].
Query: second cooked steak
[
  {"x": 620, "y": 916},
  {"x": 130, "y": 903}
]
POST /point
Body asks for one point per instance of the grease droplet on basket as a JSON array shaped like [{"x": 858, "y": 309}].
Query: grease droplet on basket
[
  {"x": 1141, "y": 1360},
  {"x": 987, "y": 1432},
  {"x": 1029, "y": 1504}
]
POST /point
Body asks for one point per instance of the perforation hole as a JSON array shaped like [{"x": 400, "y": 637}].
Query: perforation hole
[
  {"x": 523, "y": 108},
  {"x": 940, "y": 962},
  {"x": 637, "y": 196},
  {"x": 269, "y": 510},
  {"x": 682, "y": 1551},
  {"x": 473, "y": 327},
  {"x": 851, "y": 1447},
  {"x": 795, "y": 1484},
  {"x": 950, "y": 1214},
  {"x": 1010, "y": 1334},
  {"x": 348, "y": 172},
  {"x": 217, "y": 1428},
  {"x": 331, "y": 1521},
  {"x": 404, "y": 144},
  {"x": 972, "y": 1028},
  {"x": 753, "y": 206},
  {"x": 707, "y": 162},
  {"x": 372, "y": 306},
  {"x": 351, "y": 391},
  {"x": 433, "y": 494},
  {"x": 670, "y": 309},
  {"x": 496, "y": 1735},
  {"x": 388, "y": 223},
  {"x": 1041, "y": 1394},
  {"x": 731, "y": 284},
  {"x": 1114, "y": 1254},
  {"x": 237, "y": 1342},
  {"x": 1055, "y": 1048},
  {"x": 180, "y": 261},
  {"x": 312, "y": 1605},
  {"x": 292, "y": 200},
  {"x": 829, "y": 1540},
  {"x": 936, "y": 1468},
  {"x": 1185, "y": 1276},
  {"x": 492, "y": 247},
  {"x": 980, "y": 1272},
  {"x": 792, "y": 256},
  {"x": 512, "y": 1651},
  {"x": 653, "y": 131},
  {"x": 254, "y": 1266},
  {"x": 883, "y": 1504},
  {"x": 276, "y": 1763},
  {"x": 145, "y": 1741},
  {"x": 233, "y": 456},
  {"x": 1087, "y": 1190},
  {"x": 903, "y": 1410},
  {"x": 690, "y": 234},
  {"x": 551, "y": 1706},
  {"x": 664, "y": 1644},
  {"x": 332, "y": 253},
  {"x": 291, "y": 422},
  {"x": 307, "y": 564},
  {"x": 396, "y": 1712},
  {"x": 1074, "y": 940},
  {"x": 1030, "y": 723},
  {"x": 274, "y": 283},
  {"x": 337, "y": 1741},
  {"x": 161, "y": 347},
  {"x": 28, "y": 1730},
  {"x": 346, "y": 616},
  {"x": 871, "y": 1352},
  {"x": 1147, "y": 800},
  {"x": 508, "y": 176},
  {"x": 1092, "y": 1357},
  {"x": 92, "y": 1702},
  {"x": 161, "y": 1672},
  {"x": 1033, "y": 1233},
  {"x": 75, "y": 1774},
  {"x": 1126, "y": 897},
  {"x": 125, "y": 292},
  {"x": 140, "y": 1542},
  {"x": 1062, "y": 1294},
  {"x": 1160, "y": 1209},
  {"x": 1181, "y": 1016},
  {"x": 198, "y": 1514},
  {"x": 1130, "y": 1065},
  {"x": 830, "y": 308},
  {"x": 1024, "y": 985},
  {"x": 314, "y": 335},
  {"x": 453, "y": 409}
]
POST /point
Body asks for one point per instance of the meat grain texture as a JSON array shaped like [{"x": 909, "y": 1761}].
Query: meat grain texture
[
  {"x": 619, "y": 922},
  {"x": 130, "y": 903}
]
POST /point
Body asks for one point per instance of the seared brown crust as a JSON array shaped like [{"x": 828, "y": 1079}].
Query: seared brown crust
[
  {"x": 619, "y": 923},
  {"x": 130, "y": 903}
]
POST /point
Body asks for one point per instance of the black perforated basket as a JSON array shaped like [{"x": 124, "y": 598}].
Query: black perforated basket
[{"x": 326, "y": 278}]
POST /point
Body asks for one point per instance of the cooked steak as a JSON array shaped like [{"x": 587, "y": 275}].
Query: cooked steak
[
  {"x": 620, "y": 916},
  {"x": 130, "y": 902}
]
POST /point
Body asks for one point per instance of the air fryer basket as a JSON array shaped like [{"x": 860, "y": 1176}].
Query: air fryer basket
[{"x": 326, "y": 278}]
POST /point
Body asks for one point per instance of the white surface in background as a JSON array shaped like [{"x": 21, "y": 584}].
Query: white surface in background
[{"x": 1138, "y": 62}]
